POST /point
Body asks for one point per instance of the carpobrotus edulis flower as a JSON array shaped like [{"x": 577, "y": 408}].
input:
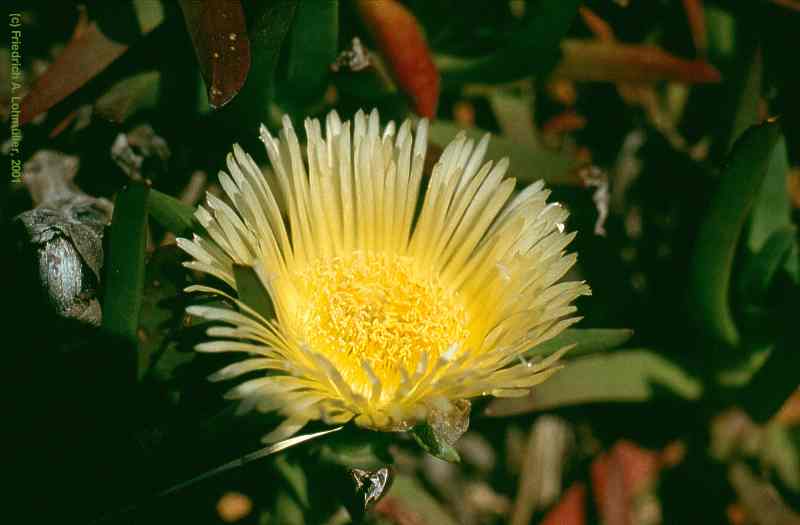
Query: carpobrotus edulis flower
[{"x": 386, "y": 309}]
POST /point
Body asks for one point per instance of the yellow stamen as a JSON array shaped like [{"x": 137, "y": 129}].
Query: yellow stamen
[{"x": 376, "y": 308}]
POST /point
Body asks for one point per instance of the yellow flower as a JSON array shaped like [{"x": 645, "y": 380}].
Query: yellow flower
[{"x": 387, "y": 310}]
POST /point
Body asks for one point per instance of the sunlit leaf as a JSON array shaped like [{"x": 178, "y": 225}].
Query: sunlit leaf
[
  {"x": 171, "y": 213},
  {"x": 625, "y": 376},
  {"x": 527, "y": 164},
  {"x": 586, "y": 341},
  {"x": 515, "y": 117}
]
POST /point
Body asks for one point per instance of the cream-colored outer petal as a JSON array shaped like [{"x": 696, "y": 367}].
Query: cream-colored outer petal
[{"x": 357, "y": 191}]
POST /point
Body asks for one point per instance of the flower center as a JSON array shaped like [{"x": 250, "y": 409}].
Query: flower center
[{"x": 374, "y": 308}]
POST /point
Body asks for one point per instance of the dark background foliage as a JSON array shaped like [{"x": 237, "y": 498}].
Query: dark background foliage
[{"x": 671, "y": 130}]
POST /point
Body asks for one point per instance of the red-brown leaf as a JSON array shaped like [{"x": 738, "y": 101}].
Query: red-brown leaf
[
  {"x": 595, "y": 61},
  {"x": 401, "y": 42},
  {"x": 88, "y": 53},
  {"x": 219, "y": 34},
  {"x": 618, "y": 476},
  {"x": 571, "y": 509},
  {"x": 695, "y": 16}
]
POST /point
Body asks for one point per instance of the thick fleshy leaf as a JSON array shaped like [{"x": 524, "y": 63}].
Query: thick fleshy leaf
[
  {"x": 161, "y": 315},
  {"x": 124, "y": 265},
  {"x": 631, "y": 376},
  {"x": 527, "y": 164},
  {"x": 354, "y": 448},
  {"x": 596, "y": 61},
  {"x": 89, "y": 52},
  {"x": 532, "y": 50},
  {"x": 268, "y": 24},
  {"x": 408, "y": 497},
  {"x": 571, "y": 508},
  {"x": 402, "y": 44},
  {"x": 313, "y": 43},
  {"x": 515, "y": 117},
  {"x": 782, "y": 453},
  {"x": 128, "y": 96},
  {"x": 171, "y": 213},
  {"x": 586, "y": 341},
  {"x": 251, "y": 290},
  {"x": 696, "y": 18},
  {"x": 772, "y": 209},
  {"x": 759, "y": 269},
  {"x": 221, "y": 43},
  {"x": 717, "y": 240},
  {"x": 777, "y": 379},
  {"x": 295, "y": 478},
  {"x": 433, "y": 444},
  {"x": 759, "y": 497}
]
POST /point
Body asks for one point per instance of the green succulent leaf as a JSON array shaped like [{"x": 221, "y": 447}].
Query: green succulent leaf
[
  {"x": 586, "y": 341},
  {"x": 125, "y": 263},
  {"x": 772, "y": 209},
  {"x": 251, "y": 290},
  {"x": 630, "y": 376},
  {"x": 171, "y": 213},
  {"x": 354, "y": 448},
  {"x": 760, "y": 269},
  {"x": 410, "y": 493},
  {"x": 533, "y": 49},
  {"x": 295, "y": 478},
  {"x": 718, "y": 238},
  {"x": 433, "y": 444},
  {"x": 312, "y": 46},
  {"x": 775, "y": 381}
]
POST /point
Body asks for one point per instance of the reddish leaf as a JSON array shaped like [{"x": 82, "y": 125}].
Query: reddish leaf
[
  {"x": 64, "y": 124},
  {"x": 612, "y": 498},
  {"x": 571, "y": 509},
  {"x": 400, "y": 39},
  {"x": 88, "y": 53},
  {"x": 595, "y": 61},
  {"x": 695, "y": 16},
  {"x": 564, "y": 123},
  {"x": 599, "y": 27},
  {"x": 618, "y": 476},
  {"x": 219, "y": 34}
]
